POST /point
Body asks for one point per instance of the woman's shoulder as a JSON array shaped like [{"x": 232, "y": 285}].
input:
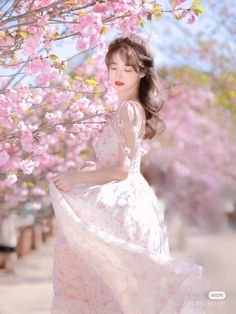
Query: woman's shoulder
[
  {"x": 130, "y": 114},
  {"x": 134, "y": 112},
  {"x": 133, "y": 108}
]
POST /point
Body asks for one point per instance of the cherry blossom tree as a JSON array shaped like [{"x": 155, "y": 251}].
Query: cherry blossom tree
[
  {"x": 207, "y": 201},
  {"x": 47, "y": 113},
  {"x": 192, "y": 164}
]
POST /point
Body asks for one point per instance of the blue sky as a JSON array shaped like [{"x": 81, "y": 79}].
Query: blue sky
[{"x": 169, "y": 34}]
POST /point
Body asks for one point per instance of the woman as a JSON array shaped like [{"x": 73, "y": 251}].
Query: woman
[{"x": 113, "y": 254}]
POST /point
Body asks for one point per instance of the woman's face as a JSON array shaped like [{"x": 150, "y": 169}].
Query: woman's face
[{"x": 122, "y": 76}]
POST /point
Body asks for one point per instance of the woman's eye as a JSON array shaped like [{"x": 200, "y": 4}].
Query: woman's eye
[{"x": 125, "y": 70}]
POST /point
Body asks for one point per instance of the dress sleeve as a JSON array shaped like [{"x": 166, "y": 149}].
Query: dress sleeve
[{"x": 129, "y": 127}]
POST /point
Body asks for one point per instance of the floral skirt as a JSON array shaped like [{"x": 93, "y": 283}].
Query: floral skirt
[{"x": 112, "y": 254}]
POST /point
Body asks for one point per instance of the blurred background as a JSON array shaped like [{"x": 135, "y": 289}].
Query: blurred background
[{"x": 191, "y": 166}]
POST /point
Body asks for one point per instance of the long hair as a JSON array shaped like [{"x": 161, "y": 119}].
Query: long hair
[{"x": 137, "y": 54}]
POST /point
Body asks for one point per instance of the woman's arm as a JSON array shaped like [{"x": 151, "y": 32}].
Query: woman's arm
[
  {"x": 65, "y": 182},
  {"x": 128, "y": 128},
  {"x": 129, "y": 125},
  {"x": 89, "y": 165},
  {"x": 101, "y": 176}
]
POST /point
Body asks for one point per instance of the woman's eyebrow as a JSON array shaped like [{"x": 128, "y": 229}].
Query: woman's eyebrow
[{"x": 128, "y": 65}]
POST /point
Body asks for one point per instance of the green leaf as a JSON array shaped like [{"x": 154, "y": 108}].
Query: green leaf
[
  {"x": 13, "y": 57},
  {"x": 79, "y": 78},
  {"x": 141, "y": 22},
  {"x": 84, "y": 155},
  {"x": 176, "y": 15},
  {"x": 195, "y": 2},
  {"x": 56, "y": 35},
  {"x": 24, "y": 34},
  {"x": 54, "y": 58},
  {"x": 149, "y": 16},
  {"x": 158, "y": 10},
  {"x": 197, "y": 10},
  {"x": 91, "y": 82},
  {"x": 103, "y": 30},
  {"x": 3, "y": 36}
]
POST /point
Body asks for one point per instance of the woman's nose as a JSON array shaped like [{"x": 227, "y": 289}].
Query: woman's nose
[{"x": 119, "y": 74}]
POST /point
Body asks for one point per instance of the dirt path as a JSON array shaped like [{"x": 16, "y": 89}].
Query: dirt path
[
  {"x": 216, "y": 252},
  {"x": 29, "y": 290}
]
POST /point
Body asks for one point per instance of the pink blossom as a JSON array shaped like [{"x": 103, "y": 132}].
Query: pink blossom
[
  {"x": 48, "y": 43},
  {"x": 31, "y": 46},
  {"x": 44, "y": 3},
  {"x": 27, "y": 141},
  {"x": 10, "y": 180},
  {"x": 54, "y": 117},
  {"x": 22, "y": 106},
  {"x": 22, "y": 126},
  {"x": 40, "y": 4},
  {"x": 44, "y": 19},
  {"x": 148, "y": 7},
  {"x": 192, "y": 19},
  {"x": 34, "y": 206},
  {"x": 129, "y": 25},
  {"x": 7, "y": 42},
  {"x": 75, "y": 128},
  {"x": 93, "y": 39},
  {"x": 13, "y": 95},
  {"x": 177, "y": 2},
  {"x": 37, "y": 65},
  {"x": 19, "y": 9},
  {"x": 181, "y": 169},
  {"x": 38, "y": 191},
  {"x": 87, "y": 20},
  {"x": 47, "y": 77},
  {"x": 81, "y": 45},
  {"x": 4, "y": 105},
  {"x": 60, "y": 129},
  {"x": 28, "y": 165},
  {"x": 4, "y": 158},
  {"x": 32, "y": 29},
  {"x": 99, "y": 8},
  {"x": 184, "y": 13},
  {"x": 37, "y": 99},
  {"x": 80, "y": 107},
  {"x": 101, "y": 42}
]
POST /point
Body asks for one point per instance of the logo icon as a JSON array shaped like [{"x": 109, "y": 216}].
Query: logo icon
[{"x": 216, "y": 295}]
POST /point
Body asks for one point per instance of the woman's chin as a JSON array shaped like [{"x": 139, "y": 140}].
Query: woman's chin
[{"x": 119, "y": 88}]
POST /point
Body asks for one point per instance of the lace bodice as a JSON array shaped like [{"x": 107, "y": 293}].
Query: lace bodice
[{"x": 121, "y": 138}]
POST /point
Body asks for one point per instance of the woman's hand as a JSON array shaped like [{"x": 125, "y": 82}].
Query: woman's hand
[
  {"x": 65, "y": 182},
  {"x": 88, "y": 165}
]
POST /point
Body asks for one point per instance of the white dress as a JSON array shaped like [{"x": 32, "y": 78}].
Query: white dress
[{"x": 112, "y": 253}]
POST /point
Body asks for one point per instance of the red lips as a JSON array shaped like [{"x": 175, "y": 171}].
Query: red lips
[{"x": 119, "y": 83}]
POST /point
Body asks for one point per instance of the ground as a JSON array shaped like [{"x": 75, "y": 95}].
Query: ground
[{"x": 29, "y": 290}]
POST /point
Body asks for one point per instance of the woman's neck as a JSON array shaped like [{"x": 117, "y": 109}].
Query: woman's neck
[{"x": 123, "y": 98}]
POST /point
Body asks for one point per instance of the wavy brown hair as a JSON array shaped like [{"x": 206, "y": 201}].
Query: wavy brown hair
[{"x": 137, "y": 54}]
